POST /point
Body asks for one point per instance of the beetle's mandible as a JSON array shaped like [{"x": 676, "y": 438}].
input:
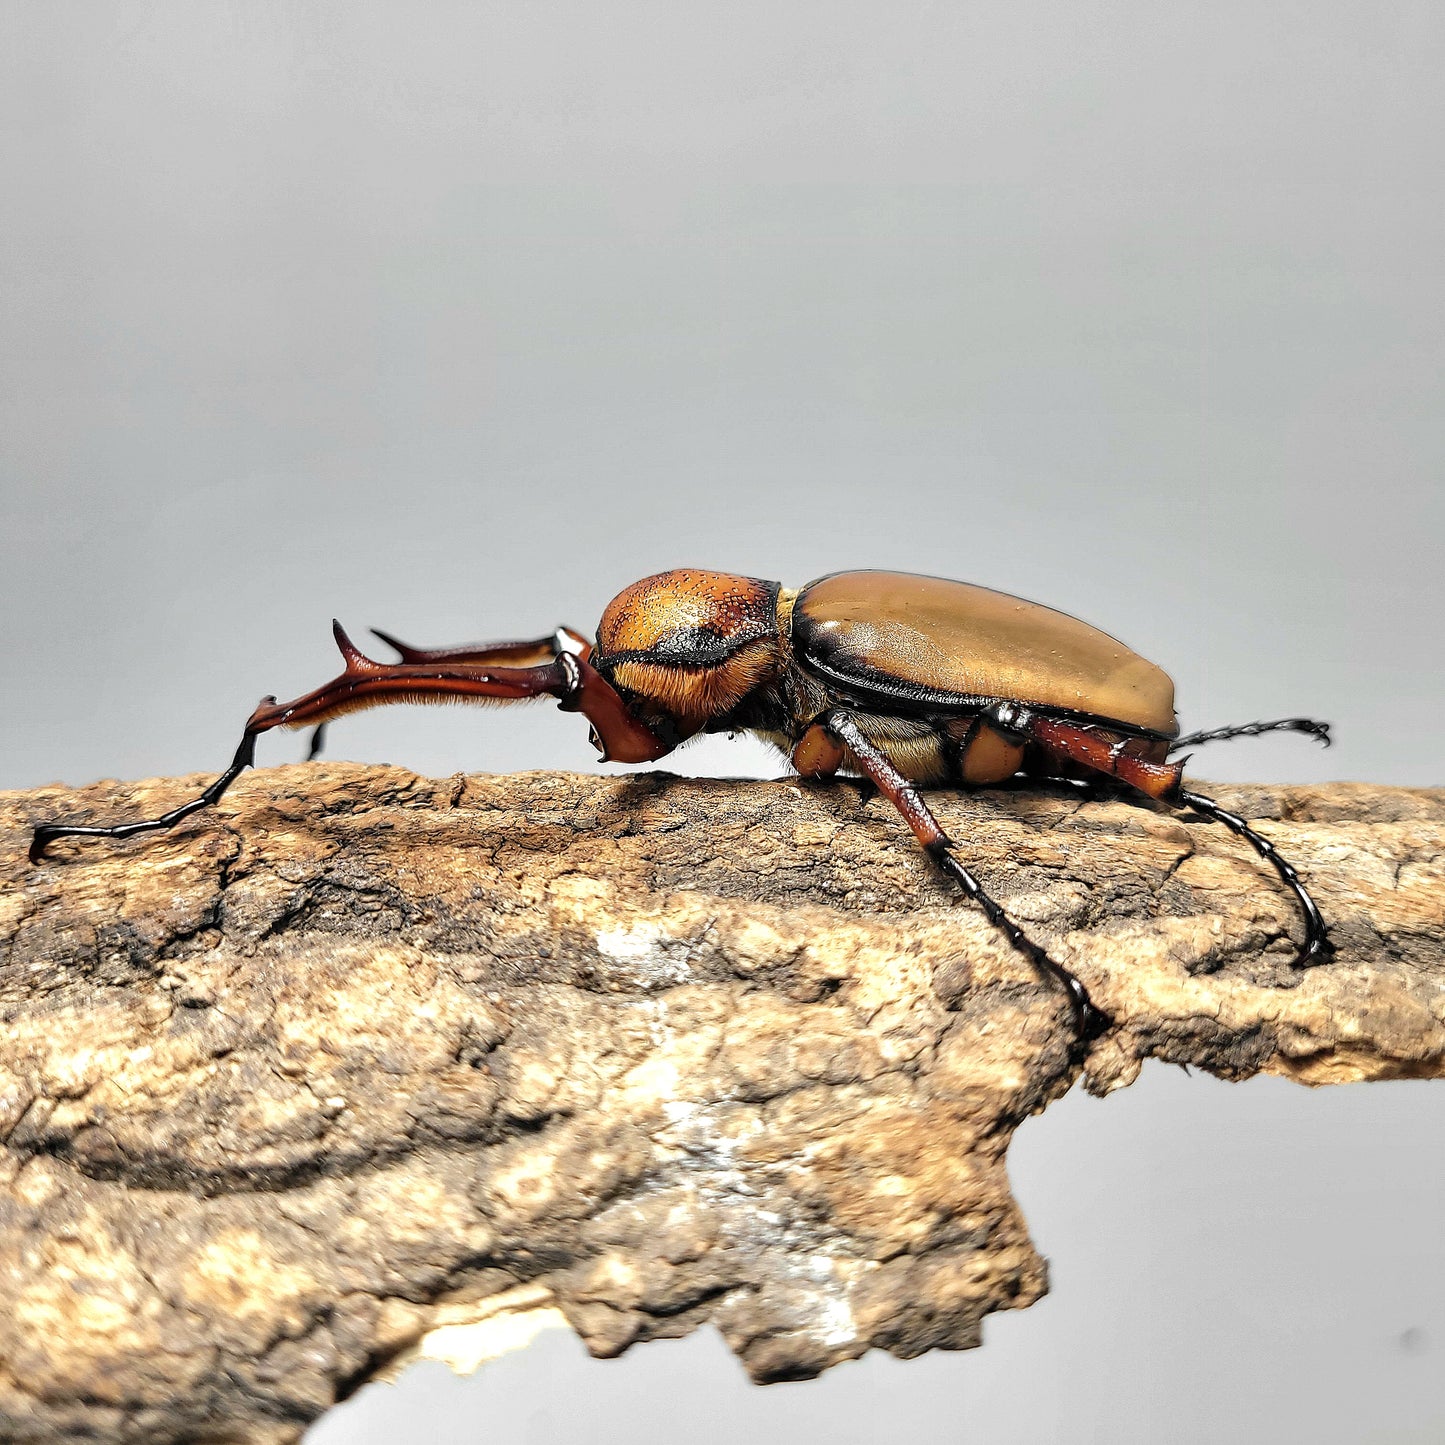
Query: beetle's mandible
[{"x": 903, "y": 679}]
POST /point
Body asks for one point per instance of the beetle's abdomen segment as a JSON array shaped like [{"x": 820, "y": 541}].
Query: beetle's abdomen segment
[{"x": 932, "y": 641}]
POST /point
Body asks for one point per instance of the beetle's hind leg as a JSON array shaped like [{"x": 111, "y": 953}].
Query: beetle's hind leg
[
  {"x": 1090, "y": 749},
  {"x": 843, "y": 729},
  {"x": 1320, "y": 731}
]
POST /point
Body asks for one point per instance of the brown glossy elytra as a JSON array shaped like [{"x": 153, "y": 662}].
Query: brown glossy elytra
[{"x": 904, "y": 680}]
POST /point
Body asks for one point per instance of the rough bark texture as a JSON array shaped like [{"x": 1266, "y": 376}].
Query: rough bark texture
[{"x": 357, "y": 1055}]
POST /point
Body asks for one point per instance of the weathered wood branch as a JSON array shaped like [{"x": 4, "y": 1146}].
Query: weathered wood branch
[{"x": 358, "y": 1058}]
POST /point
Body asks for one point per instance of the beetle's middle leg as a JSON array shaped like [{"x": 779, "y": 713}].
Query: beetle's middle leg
[{"x": 821, "y": 750}]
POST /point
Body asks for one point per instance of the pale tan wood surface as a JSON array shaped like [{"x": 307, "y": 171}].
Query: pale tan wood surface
[{"x": 358, "y": 1059}]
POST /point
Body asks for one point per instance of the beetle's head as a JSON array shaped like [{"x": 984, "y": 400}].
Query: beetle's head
[{"x": 689, "y": 645}]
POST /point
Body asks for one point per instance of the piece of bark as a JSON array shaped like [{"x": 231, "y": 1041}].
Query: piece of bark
[{"x": 357, "y": 1058}]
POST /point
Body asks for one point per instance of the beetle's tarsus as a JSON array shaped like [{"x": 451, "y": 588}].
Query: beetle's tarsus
[
  {"x": 318, "y": 741},
  {"x": 1089, "y": 1022},
  {"x": 1320, "y": 731},
  {"x": 47, "y": 833},
  {"x": 1317, "y": 947}
]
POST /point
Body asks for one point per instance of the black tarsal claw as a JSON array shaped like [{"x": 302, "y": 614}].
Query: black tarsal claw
[
  {"x": 1089, "y": 1020},
  {"x": 1092, "y": 1023}
]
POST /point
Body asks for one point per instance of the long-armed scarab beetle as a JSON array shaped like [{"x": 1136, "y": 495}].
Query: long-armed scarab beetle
[{"x": 905, "y": 680}]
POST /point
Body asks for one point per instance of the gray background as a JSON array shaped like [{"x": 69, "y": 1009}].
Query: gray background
[{"x": 456, "y": 318}]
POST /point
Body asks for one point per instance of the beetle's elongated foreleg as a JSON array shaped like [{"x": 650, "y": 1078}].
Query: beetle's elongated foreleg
[
  {"x": 1320, "y": 731},
  {"x": 532, "y": 653},
  {"x": 904, "y": 796},
  {"x": 364, "y": 683},
  {"x": 1164, "y": 781},
  {"x": 501, "y": 654},
  {"x": 571, "y": 679}
]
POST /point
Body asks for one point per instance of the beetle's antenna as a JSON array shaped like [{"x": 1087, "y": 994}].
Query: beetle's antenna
[
  {"x": 1320, "y": 731},
  {"x": 1317, "y": 946}
]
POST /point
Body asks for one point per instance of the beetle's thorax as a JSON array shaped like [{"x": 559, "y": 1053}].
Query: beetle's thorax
[{"x": 690, "y": 645}]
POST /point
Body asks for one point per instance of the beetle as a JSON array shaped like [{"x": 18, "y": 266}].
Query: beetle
[{"x": 903, "y": 679}]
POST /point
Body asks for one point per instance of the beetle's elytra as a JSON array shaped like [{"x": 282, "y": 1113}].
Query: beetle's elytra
[{"x": 905, "y": 680}]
